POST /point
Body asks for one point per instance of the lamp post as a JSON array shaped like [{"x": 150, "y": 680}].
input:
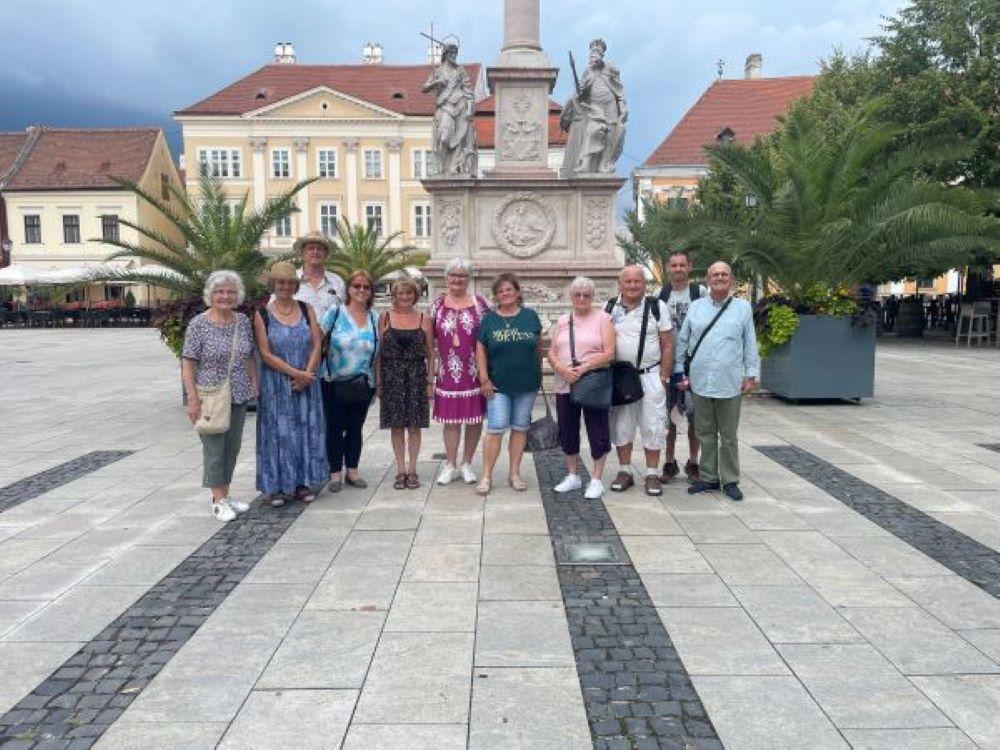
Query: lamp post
[
  {"x": 758, "y": 288},
  {"x": 5, "y": 249}
]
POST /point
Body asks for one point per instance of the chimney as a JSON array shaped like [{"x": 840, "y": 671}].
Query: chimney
[
  {"x": 371, "y": 53},
  {"x": 753, "y": 65},
  {"x": 284, "y": 53}
]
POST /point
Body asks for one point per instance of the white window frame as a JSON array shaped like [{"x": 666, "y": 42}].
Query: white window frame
[
  {"x": 78, "y": 227},
  {"x": 381, "y": 216},
  {"x": 225, "y": 162},
  {"x": 335, "y": 163},
  {"x": 419, "y": 160},
  {"x": 287, "y": 221},
  {"x": 27, "y": 240},
  {"x": 336, "y": 212},
  {"x": 285, "y": 161},
  {"x": 368, "y": 173},
  {"x": 425, "y": 221}
]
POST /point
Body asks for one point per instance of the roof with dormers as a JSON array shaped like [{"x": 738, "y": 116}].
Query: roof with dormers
[{"x": 749, "y": 107}]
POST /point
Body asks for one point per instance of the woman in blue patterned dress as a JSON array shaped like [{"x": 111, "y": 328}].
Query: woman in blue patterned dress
[{"x": 291, "y": 454}]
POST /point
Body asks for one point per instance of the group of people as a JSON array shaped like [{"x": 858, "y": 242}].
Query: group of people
[{"x": 324, "y": 355}]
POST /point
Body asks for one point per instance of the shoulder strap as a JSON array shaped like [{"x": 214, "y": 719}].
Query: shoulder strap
[
  {"x": 709, "y": 328},
  {"x": 609, "y": 306},
  {"x": 642, "y": 332},
  {"x": 654, "y": 307},
  {"x": 304, "y": 309},
  {"x": 572, "y": 342},
  {"x": 266, "y": 317},
  {"x": 232, "y": 348},
  {"x": 694, "y": 291}
]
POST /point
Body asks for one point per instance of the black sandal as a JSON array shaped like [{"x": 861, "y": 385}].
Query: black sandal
[
  {"x": 400, "y": 483},
  {"x": 412, "y": 481}
]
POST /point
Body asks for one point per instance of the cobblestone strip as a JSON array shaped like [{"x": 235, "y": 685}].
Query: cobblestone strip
[
  {"x": 83, "y": 697},
  {"x": 38, "y": 484},
  {"x": 636, "y": 691},
  {"x": 961, "y": 554}
]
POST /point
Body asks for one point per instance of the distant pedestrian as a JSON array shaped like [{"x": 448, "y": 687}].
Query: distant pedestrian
[
  {"x": 718, "y": 347},
  {"x": 509, "y": 357},
  {"x": 403, "y": 379},
  {"x": 592, "y": 349},
  {"x": 218, "y": 348},
  {"x": 291, "y": 441}
]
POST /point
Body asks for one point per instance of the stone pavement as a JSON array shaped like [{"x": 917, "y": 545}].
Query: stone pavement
[{"x": 845, "y": 603}]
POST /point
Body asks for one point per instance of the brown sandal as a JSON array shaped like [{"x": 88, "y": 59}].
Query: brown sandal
[
  {"x": 400, "y": 483},
  {"x": 622, "y": 482},
  {"x": 412, "y": 481}
]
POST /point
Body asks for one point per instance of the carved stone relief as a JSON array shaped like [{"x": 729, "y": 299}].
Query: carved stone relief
[
  {"x": 449, "y": 221},
  {"x": 523, "y": 224},
  {"x": 536, "y": 292},
  {"x": 595, "y": 222},
  {"x": 520, "y": 131}
]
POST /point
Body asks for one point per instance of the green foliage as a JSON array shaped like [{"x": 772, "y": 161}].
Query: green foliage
[
  {"x": 822, "y": 300},
  {"x": 358, "y": 247},
  {"x": 129, "y": 299},
  {"x": 777, "y": 328},
  {"x": 172, "y": 333}
]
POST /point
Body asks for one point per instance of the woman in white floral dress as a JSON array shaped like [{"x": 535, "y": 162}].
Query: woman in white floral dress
[{"x": 458, "y": 398}]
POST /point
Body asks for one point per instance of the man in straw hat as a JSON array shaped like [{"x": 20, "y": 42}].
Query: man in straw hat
[{"x": 319, "y": 288}]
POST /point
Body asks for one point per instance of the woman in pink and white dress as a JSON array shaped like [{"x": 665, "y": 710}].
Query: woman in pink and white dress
[{"x": 458, "y": 398}]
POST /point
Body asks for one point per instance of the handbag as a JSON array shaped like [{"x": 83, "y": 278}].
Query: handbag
[
  {"x": 543, "y": 434},
  {"x": 688, "y": 358},
  {"x": 593, "y": 389},
  {"x": 217, "y": 400},
  {"x": 626, "y": 385}
]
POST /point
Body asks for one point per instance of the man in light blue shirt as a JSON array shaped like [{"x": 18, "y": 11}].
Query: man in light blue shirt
[{"x": 724, "y": 366}]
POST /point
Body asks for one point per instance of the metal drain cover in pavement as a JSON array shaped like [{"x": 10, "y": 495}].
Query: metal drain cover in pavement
[
  {"x": 438, "y": 456},
  {"x": 592, "y": 553}
]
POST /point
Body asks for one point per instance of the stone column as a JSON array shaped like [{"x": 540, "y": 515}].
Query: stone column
[
  {"x": 520, "y": 25},
  {"x": 301, "y": 173},
  {"x": 393, "y": 147},
  {"x": 259, "y": 166},
  {"x": 351, "y": 179}
]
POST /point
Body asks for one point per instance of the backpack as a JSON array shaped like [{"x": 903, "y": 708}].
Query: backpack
[
  {"x": 694, "y": 292},
  {"x": 651, "y": 302}
]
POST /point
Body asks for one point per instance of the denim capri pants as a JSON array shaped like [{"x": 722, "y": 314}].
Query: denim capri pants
[{"x": 509, "y": 411}]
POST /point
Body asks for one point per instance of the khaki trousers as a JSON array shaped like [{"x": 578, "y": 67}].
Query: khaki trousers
[{"x": 716, "y": 422}]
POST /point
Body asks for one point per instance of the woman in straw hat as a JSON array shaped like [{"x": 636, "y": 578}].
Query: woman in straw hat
[{"x": 291, "y": 453}]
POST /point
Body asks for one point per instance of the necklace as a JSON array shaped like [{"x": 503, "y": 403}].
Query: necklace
[{"x": 286, "y": 311}]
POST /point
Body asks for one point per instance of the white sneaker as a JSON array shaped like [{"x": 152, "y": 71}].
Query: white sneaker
[
  {"x": 448, "y": 473},
  {"x": 223, "y": 511},
  {"x": 595, "y": 488},
  {"x": 240, "y": 506},
  {"x": 569, "y": 483},
  {"x": 468, "y": 475}
]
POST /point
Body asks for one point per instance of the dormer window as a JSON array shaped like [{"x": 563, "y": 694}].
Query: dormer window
[
  {"x": 726, "y": 135},
  {"x": 260, "y": 95}
]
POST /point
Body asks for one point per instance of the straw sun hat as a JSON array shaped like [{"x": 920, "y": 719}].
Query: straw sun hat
[
  {"x": 314, "y": 236},
  {"x": 282, "y": 272}
]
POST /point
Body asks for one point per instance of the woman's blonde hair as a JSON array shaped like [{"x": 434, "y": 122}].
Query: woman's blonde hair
[
  {"x": 360, "y": 273},
  {"x": 404, "y": 284}
]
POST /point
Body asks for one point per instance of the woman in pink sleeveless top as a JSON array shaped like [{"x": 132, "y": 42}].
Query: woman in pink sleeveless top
[{"x": 594, "y": 345}]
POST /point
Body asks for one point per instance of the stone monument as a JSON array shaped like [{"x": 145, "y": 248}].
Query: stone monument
[{"x": 523, "y": 216}]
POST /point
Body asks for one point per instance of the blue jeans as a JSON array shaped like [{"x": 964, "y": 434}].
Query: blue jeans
[{"x": 509, "y": 411}]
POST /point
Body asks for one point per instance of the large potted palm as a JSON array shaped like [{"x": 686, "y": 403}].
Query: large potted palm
[{"x": 837, "y": 209}]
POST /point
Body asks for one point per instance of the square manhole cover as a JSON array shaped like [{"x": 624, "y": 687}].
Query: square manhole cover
[
  {"x": 438, "y": 456},
  {"x": 592, "y": 553}
]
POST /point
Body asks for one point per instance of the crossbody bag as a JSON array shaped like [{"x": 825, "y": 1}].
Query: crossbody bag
[{"x": 355, "y": 389}]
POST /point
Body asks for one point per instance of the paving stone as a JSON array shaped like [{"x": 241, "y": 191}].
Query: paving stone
[
  {"x": 443, "y": 563},
  {"x": 794, "y": 614},
  {"x": 517, "y": 549},
  {"x": 987, "y": 641},
  {"x": 668, "y": 590},
  {"x": 665, "y": 554},
  {"x": 957, "y": 603},
  {"x": 971, "y": 701},
  {"x": 375, "y": 548},
  {"x": 78, "y": 615},
  {"x": 293, "y": 563},
  {"x": 647, "y": 520},
  {"x": 748, "y": 565},
  {"x": 720, "y": 641},
  {"x": 321, "y": 718},
  {"x": 450, "y": 529},
  {"x": 395, "y": 736},
  {"x": 354, "y": 587},
  {"x": 518, "y": 582},
  {"x": 21, "y": 491},
  {"x": 433, "y": 607},
  {"x": 522, "y": 634},
  {"x": 912, "y": 739}
]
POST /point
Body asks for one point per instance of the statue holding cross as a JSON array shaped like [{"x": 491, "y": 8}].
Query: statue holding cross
[{"x": 454, "y": 137}]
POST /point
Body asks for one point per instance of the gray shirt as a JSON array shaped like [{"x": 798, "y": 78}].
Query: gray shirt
[{"x": 727, "y": 355}]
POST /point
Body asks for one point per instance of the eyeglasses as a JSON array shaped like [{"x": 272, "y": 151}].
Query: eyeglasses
[
  {"x": 361, "y": 287},
  {"x": 583, "y": 295},
  {"x": 457, "y": 276}
]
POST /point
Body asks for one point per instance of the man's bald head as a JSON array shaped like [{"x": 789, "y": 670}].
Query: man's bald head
[{"x": 720, "y": 280}]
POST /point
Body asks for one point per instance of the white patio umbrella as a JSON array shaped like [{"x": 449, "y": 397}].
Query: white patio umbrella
[{"x": 24, "y": 276}]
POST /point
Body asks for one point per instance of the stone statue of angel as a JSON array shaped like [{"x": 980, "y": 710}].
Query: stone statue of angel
[{"x": 454, "y": 137}]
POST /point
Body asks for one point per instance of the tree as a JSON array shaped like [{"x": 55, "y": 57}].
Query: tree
[{"x": 362, "y": 247}]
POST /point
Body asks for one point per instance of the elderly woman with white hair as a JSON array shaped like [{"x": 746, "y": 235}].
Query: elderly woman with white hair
[
  {"x": 458, "y": 396},
  {"x": 218, "y": 346},
  {"x": 583, "y": 340}
]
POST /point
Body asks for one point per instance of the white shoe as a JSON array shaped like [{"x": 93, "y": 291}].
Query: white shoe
[
  {"x": 240, "y": 506},
  {"x": 468, "y": 475},
  {"x": 223, "y": 511},
  {"x": 595, "y": 488},
  {"x": 448, "y": 473},
  {"x": 569, "y": 483}
]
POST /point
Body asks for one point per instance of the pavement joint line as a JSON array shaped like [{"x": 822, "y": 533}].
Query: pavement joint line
[
  {"x": 636, "y": 690},
  {"x": 963, "y": 555},
  {"x": 32, "y": 486},
  {"x": 88, "y": 692}
]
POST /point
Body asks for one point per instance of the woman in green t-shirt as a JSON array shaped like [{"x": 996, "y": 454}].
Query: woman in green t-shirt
[{"x": 508, "y": 354}]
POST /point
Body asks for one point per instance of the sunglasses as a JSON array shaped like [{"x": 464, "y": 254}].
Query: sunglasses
[{"x": 361, "y": 287}]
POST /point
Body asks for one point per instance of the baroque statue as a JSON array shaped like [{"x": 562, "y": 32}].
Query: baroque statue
[
  {"x": 595, "y": 117},
  {"x": 454, "y": 137}
]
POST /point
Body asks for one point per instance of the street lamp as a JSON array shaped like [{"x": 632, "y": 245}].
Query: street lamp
[
  {"x": 5, "y": 255},
  {"x": 751, "y": 200}
]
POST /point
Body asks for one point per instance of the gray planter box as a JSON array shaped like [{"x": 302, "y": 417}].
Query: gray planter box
[{"x": 825, "y": 359}]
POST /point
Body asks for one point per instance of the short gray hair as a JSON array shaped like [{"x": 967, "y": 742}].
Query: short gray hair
[
  {"x": 582, "y": 282},
  {"x": 223, "y": 278},
  {"x": 458, "y": 264}
]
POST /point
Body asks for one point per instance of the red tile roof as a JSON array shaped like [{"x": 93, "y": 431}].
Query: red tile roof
[
  {"x": 82, "y": 159},
  {"x": 748, "y": 107},
  {"x": 392, "y": 87},
  {"x": 485, "y": 123},
  {"x": 10, "y": 146}
]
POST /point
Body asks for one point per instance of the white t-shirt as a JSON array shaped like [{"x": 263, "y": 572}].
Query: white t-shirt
[
  {"x": 628, "y": 325},
  {"x": 678, "y": 303}
]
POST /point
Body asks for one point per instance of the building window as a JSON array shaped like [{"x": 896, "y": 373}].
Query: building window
[
  {"x": 164, "y": 187},
  {"x": 327, "y": 166},
  {"x": 283, "y": 227},
  {"x": 280, "y": 168},
  {"x": 424, "y": 164},
  {"x": 328, "y": 215},
  {"x": 32, "y": 229},
  {"x": 373, "y": 217},
  {"x": 422, "y": 220},
  {"x": 220, "y": 162},
  {"x": 373, "y": 164},
  {"x": 109, "y": 227},
  {"x": 71, "y": 229}
]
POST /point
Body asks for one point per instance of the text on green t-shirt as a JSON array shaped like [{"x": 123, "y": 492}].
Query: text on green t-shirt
[{"x": 511, "y": 345}]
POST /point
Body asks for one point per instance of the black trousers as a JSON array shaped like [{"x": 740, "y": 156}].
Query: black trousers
[{"x": 344, "y": 426}]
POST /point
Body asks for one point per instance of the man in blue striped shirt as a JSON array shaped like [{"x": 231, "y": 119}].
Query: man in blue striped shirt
[{"x": 724, "y": 366}]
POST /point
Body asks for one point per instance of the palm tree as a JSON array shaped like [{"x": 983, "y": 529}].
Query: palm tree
[
  {"x": 836, "y": 210},
  {"x": 362, "y": 247}
]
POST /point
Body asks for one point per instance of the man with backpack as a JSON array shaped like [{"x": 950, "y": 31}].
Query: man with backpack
[
  {"x": 678, "y": 295},
  {"x": 643, "y": 360}
]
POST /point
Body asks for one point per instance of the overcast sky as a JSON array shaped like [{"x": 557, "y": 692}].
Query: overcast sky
[{"x": 102, "y": 62}]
